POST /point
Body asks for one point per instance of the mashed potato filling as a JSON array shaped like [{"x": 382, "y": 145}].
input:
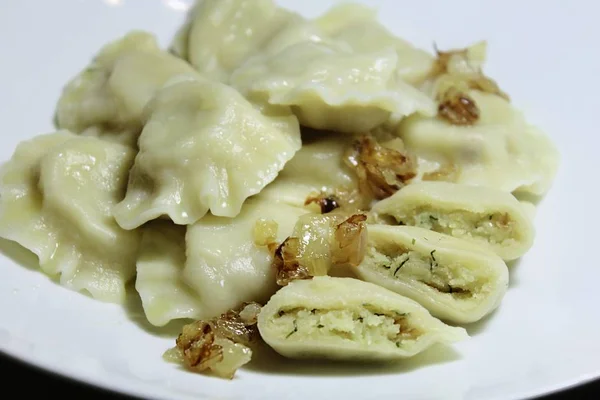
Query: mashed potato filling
[
  {"x": 362, "y": 325},
  {"x": 495, "y": 228},
  {"x": 408, "y": 265}
]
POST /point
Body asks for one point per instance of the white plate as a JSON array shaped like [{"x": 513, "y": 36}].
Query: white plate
[{"x": 544, "y": 336}]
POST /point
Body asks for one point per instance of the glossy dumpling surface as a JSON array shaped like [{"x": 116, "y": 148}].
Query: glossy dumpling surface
[
  {"x": 500, "y": 150},
  {"x": 482, "y": 215},
  {"x": 454, "y": 279},
  {"x": 225, "y": 265},
  {"x": 330, "y": 87},
  {"x": 357, "y": 26},
  {"x": 111, "y": 93},
  {"x": 204, "y": 148},
  {"x": 57, "y": 193},
  {"x": 344, "y": 318}
]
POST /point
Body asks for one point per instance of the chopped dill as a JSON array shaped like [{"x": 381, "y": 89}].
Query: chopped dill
[
  {"x": 414, "y": 241},
  {"x": 401, "y": 265},
  {"x": 379, "y": 314},
  {"x": 398, "y": 344},
  {"x": 432, "y": 218},
  {"x": 320, "y": 326},
  {"x": 294, "y": 331},
  {"x": 433, "y": 262}
]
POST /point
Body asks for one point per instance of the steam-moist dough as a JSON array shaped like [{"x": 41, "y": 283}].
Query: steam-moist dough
[
  {"x": 56, "y": 196},
  {"x": 454, "y": 279},
  {"x": 344, "y": 318},
  {"x": 501, "y": 150},
  {"x": 331, "y": 87},
  {"x": 204, "y": 148},
  {"x": 111, "y": 93},
  {"x": 486, "y": 216}
]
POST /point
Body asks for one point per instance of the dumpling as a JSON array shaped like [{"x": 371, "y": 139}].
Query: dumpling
[
  {"x": 160, "y": 282},
  {"x": 227, "y": 261},
  {"x": 111, "y": 93},
  {"x": 318, "y": 167},
  {"x": 346, "y": 319},
  {"x": 500, "y": 150},
  {"x": 56, "y": 197},
  {"x": 454, "y": 279},
  {"x": 482, "y": 215},
  {"x": 204, "y": 148},
  {"x": 330, "y": 87},
  {"x": 357, "y": 25},
  {"x": 221, "y": 34}
]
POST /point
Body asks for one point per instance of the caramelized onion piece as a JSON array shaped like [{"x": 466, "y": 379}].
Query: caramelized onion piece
[
  {"x": 459, "y": 73},
  {"x": 327, "y": 203},
  {"x": 286, "y": 263},
  {"x": 350, "y": 241},
  {"x": 458, "y": 108},
  {"x": 381, "y": 171},
  {"x": 220, "y": 345}
]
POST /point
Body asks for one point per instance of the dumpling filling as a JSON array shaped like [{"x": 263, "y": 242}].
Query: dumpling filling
[
  {"x": 494, "y": 228},
  {"x": 362, "y": 325},
  {"x": 449, "y": 278}
]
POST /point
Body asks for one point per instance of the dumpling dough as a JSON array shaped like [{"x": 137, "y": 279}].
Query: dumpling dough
[
  {"x": 318, "y": 167},
  {"x": 224, "y": 264},
  {"x": 221, "y": 34},
  {"x": 501, "y": 150},
  {"x": 161, "y": 260},
  {"x": 482, "y": 215},
  {"x": 454, "y": 279},
  {"x": 347, "y": 319},
  {"x": 332, "y": 88},
  {"x": 56, "y": 197},
  {"x": 204, "y": 148},
  {"x": 111, "y": 93},
  {"x": 357, "y": 26}
]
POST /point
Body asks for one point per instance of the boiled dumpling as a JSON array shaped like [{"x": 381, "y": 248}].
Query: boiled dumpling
[
  {"x": 221, "y": 34},
  {"x": 229, "y": 262},
  {"x": 344, "y": 318},
  {"x": 500, "y": 150},
  {"x": 357, "y": 25},
  {"x": 482, "y": 215},
  {"x": 332, "y": 88},
  {"x": 454, "y": 279},
  {"x": 204, "y": 148},
  {"x": 317, "y": 168},
  {"x": 111, "y": 93},
  {"x": 56, "y": 197},
  {"x": 160, "y": 281}
]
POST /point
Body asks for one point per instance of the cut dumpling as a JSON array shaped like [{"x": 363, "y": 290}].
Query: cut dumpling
[
  {"x": 160, "y": 282},
  {"x": 228, "y": 262},
  {"x": 501, "y": 150},
  {"x": 318, "y": 167},
  {"x": 57, "y": 193},
  {"x": 204, "y": 148},
  {"x": 112, "y": 91},
  {"x": 357, "y": 25},
  {"x": 344, "y": 318},
  {"x": 330, "y": 87},
  {"x": 454, "y": 279},
  {"x": 482, "y": 215},
  {"x": 221, "y": 34}
]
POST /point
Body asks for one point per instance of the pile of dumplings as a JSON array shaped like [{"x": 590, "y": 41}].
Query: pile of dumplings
[{"x": 320, "y": 184}]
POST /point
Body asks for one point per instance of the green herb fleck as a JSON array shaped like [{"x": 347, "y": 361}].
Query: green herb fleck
[
  {"x": 360, "y": 319},
  {"x": 414, "y": 241},
  {"x": 398, "y": 344},
  {"x": 386, "y": 266},
  {"x": 432, "y": 218},
  {"x": 401, "y": 265},
  {"x": 379, "y": 314},
  {"x": 320, "y": 326},
  {"x": 490, "y": 217},
  {"x": 433, "y": 262},
  {"x": 367, "y": 304},
  {"x": 294, "y": 331}
]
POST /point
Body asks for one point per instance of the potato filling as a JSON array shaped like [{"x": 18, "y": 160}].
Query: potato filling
[
  {"x": 495, "y": 228},
  {"x": 363, "y": 325},
  {"x": 452, "y": 279}
]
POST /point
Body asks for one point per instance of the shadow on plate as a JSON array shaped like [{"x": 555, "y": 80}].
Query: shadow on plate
[
  {"x": 135, "y": 312},
  {"x": 266, "y": 361},
  {"x": 19, "y": 254},
  {"x": 513, "y": 267}
]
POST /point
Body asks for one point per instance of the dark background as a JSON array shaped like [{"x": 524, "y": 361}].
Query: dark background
[{"x": 14, "y": 373}]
